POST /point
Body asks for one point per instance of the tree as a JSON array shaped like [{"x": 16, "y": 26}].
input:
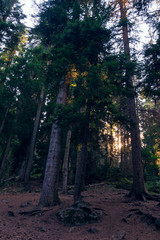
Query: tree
[
  {"x": 39, "y": 72},
  {"x": 49, "y": 195},
  {"x": 24, "y": 86},
  {"x": 138, "y": 189},
  {"x": 4, "y": 157},
  {"x": 66, "y": 161},
  {"x": 11, "y": 30},
  {"x": 83, "y": 39},
  {"x": 80, "y": 171},
  {"x": 33, "y": 138},
  {"x": 11, "y": 27},
  {"x": 56, "y": 12},
  {"x": 4, "y": 120}
]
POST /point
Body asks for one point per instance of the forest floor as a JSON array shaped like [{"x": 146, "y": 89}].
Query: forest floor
[{"x": 119, "y": 219}]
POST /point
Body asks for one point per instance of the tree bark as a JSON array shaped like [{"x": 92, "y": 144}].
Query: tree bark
[
  {"x": 49, "y": 194},
  {"x": 33, "y": 139},
  {"x": 138, "y": 189},
  {"x": 66, "y": 161},
  {"x": 122, "y": 149},
  {"x": 5, "y": 156},
  {"x": 82, "y": 163},
  {"x": 111, "y": 142},
  {"x": 3, "y": 122}
]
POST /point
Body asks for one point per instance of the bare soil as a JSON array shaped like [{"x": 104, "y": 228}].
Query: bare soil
[{"x": 119, "y": 219}]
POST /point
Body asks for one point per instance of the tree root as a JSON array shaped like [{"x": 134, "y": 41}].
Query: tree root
[
  {"x": 36, "y": 211},
  {"x": 152, "y": 197},
  {"x": 143, "y": 197}
]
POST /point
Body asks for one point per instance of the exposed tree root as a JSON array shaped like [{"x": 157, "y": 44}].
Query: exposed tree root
[
  {"x": 36, "y": 211},
  {"x": 152, "y": 197},
  {"x": 143, "y": 196}
]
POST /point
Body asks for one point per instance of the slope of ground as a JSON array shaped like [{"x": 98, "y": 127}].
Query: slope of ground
[{"x": 119, "y": 219}]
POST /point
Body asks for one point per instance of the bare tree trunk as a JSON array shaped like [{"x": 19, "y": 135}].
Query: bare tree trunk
[
  {"x": 33, "y": 139},
  {"x": 5, "y": 156},
  {"x": 125, "y": 164},
  {"x": 111, "y": 146},
  {"x": 3, "y": 122},
  {"x": 82, "y": 163},
  {"x": 122, "y": 149},
  {"x": 49, "y": 194},
  {"x": 23, "y": 170},
  {"x": 118, "y": 145},
  {"x": 66, "y": 162},
  {"x": 138, "y": 188},
  {"x": 129, "y": 156}
]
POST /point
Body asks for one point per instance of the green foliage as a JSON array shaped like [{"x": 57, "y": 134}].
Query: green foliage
[
  {"x": 124, "y": 183},
  {"x": 22, "y": 84},
  {"x": 96, "y": 174},
  {"x": 151, "y": 81},
  {"x": 114, "y": 174},
  {"x": 71, "y": 35},
  {"x": 151, "y": 169},
  {"x": 123, "y": 22},
  {"x": 153, "y": 186},
  {"x": 37, "y": 167},
  {"x": 11, "y": 27},
  {"x": 151, "y": 146}
]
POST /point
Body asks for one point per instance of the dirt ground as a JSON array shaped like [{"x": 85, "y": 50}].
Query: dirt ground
[{"x": 119, "y": 219}]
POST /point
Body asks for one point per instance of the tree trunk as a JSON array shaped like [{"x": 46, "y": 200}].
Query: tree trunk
[
  {"x": 129, "y": 156},
  {"x": 33, "y": 139},
  {"x": 3, "y": 122},
  {"x": 125, "y": 164},
  {"x": 49, "y": 195},
  {"x": 82, "y": 163},
  {"x": 122, "y": 149},
  {"x": 66, "y": 161},
  {"x": 111, "y": 146},
  {"x": 138, "y": 188},
  {"x": 23, "y": 169},
  {"x": 5, "y": 156}
]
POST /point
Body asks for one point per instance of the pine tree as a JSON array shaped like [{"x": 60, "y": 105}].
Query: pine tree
[
  {"x": 138, "y": 189},
  {"x": 11, "y": 27},
  {"x": 77, "y": 41}
]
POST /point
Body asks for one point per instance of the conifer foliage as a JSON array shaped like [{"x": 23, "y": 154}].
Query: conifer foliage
[{"x": 69, "y": 91}]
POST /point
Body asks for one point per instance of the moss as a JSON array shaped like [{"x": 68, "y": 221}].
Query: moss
[{"x": 79, "y": 213}]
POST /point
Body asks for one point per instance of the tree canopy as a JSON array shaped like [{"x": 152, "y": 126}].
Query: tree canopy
[{"x": 78, "y": 71}]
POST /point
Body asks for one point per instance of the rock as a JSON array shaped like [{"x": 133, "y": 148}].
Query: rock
[
  {"x": 119, "y": 236},
  {"x": 72, "y": 229},
  {"x": 42, "y": 229},
  {"x": 93, "y": 230},
  {"x": 78, "y": 214},
  {"x": 11, "y": 214}
]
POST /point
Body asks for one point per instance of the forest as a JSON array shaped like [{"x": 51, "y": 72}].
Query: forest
[{"x": 79, "y": 108}]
